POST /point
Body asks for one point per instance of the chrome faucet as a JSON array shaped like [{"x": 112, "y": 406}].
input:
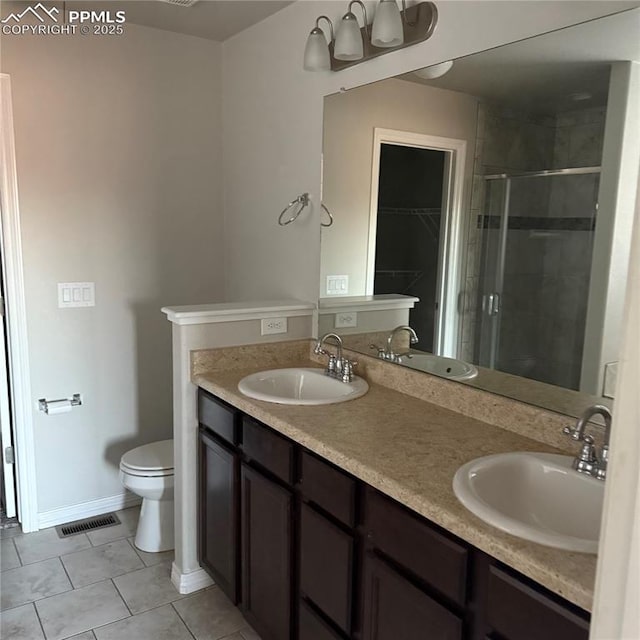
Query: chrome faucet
[
  {"x": 338, "y": 366},
  {"x": 387, "y": 353},
  {"x": 587, "y": 460}
]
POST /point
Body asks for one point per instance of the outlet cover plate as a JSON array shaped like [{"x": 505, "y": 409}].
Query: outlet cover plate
[
  {"x": 269, "y": 326},
  {"x": 346, "y": 319}
]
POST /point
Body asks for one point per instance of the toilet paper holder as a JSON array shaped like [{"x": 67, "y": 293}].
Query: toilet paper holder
[{"x": 75, "y": 400}]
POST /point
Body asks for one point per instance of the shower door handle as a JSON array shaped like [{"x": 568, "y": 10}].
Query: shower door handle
[{"x": 491, "y": 304}]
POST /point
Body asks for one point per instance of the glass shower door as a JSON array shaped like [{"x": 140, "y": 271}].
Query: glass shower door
[
  {"x": 537, "y": 247},
  {"x": 495, "y": 221}
]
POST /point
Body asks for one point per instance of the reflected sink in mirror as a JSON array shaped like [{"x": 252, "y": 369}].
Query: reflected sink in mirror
[
  {"x": 535, "y": 496},
  {"x": 300, "y": 386},
  {"x": 439, "y": 366}
]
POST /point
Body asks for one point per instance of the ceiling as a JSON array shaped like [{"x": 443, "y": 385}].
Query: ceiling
[
  {"x": 211, "y": 19},
  {"x": 543, "y": 73}
]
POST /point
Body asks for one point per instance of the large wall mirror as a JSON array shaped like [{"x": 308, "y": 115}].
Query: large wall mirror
[{"x": 493, "y": 203}]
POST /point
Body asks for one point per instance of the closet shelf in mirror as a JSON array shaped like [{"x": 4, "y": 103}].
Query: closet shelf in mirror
[
  {"x": 540, "y": 223},
  {"x": 398, "y": 273},
  {"x": 410, "y": 211}
]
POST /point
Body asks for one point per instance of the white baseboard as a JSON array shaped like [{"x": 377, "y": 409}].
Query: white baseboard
[
  {"x": 87, "y": 509},
  {"x": 190, "y": 582}
]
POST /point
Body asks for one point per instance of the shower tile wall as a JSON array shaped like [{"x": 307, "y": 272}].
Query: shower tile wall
[{"x": 548, "y": 272}]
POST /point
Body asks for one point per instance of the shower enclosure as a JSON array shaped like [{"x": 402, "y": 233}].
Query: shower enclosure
[{"x": 537, "y": 244}]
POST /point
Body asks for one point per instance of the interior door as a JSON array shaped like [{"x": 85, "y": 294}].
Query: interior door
[{"x": 6, "y": 440}]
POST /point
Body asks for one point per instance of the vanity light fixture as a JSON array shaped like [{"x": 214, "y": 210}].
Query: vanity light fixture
[
  {"x": 392, "y": 29},
  {"x": 387, "y": 28},
  {"x": 317, "y": 56},
  {"x": 434, "y": 71},
  {"x": 349, "y": 41}
]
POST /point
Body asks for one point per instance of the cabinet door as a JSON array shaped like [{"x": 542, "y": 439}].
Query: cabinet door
[
  {"x": 266, "y": 555},
  {"x": 394, "y": 609},
  {"x": 326, "y": 566},
  {"x": 218, "y": 531},
  {"x": 312, "y": 627},
  {"x": 519, "y": 612}
]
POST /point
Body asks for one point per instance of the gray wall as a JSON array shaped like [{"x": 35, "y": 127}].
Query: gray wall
[{"x": 118, "y": 154}]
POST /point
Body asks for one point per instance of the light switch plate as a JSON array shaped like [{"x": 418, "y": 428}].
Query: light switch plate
[
  {"x": 76, "y": 294},
  {"x": 346, "y": 319},
  {"x": 270, "y": 326},
  {"x": 337, "y": 285}
]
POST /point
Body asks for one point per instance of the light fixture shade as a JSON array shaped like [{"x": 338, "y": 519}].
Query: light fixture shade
[
  {"x": 387, "y": 28},
  {"x": 316, "y": 52},
  {"x": 434, "y": 71},
  {"x": 348, "y": 45}
]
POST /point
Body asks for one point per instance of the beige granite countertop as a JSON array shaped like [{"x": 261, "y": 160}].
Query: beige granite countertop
[{"x": 410, "y": 449}]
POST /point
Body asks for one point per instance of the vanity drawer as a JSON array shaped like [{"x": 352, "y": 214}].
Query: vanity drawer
[
  {"x": 518, "y": 612},
  {"x": 326, "y": 566},
  {"x": 268, "y": 449},
  {"x": 411, "y": 542},
  {"x": 217, "y": 416},
  {"x": 329, "y": 488}
]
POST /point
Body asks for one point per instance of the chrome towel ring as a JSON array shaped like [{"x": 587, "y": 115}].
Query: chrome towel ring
[
  {"x": 301, "y": 201},
  {"x": 322, "y": 224}
]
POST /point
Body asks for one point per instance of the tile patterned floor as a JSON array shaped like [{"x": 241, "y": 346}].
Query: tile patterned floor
[{"x": 98, "y": 586}]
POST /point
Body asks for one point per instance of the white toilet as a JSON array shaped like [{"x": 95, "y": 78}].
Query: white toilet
[{"x": 148, "y": 472}]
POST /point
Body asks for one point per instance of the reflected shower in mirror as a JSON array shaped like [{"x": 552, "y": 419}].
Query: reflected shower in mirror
[{"x": 486, "y": 203}]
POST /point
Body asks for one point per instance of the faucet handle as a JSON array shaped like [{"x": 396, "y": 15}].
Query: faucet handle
[
  {"x": 574, "y": 433},
  {"x": 382, "y": 352},
  {"x": 347, "y": 369},
  {"x": 601, "y": 473},
  {"x": 319, "y": 351}
]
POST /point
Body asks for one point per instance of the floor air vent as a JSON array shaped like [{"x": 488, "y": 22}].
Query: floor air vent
[{"x": 88, "y": 524}]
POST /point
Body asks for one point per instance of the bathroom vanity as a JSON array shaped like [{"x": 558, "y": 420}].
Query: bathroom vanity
[{"x": 339, "y": 522}]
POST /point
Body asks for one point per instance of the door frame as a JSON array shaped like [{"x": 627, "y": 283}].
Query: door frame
[
  {"x": 16, "y": 319},
  {"x": 450, "y": 261}
]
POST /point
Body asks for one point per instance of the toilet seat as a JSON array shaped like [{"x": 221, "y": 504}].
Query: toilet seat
[
  {"x": 146, "y": 473},
  {"x": 150, "y": 460}
]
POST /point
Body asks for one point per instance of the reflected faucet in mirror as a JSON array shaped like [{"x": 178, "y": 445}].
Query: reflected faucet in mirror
[{"x": 387, "y": 353}]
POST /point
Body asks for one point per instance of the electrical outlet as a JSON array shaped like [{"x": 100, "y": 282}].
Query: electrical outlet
[
  {"x": 269, "y": 326},
  {"x": 346, "y": 319}
]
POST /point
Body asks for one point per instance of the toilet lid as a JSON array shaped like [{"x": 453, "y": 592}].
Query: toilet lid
[{"x": 155, "y": 456}]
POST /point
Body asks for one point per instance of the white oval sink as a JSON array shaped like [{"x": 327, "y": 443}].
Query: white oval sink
[
  {"x": 300, "y": 386},
  {"x": 535, "y": 496},
  {"x": 439, "y": 366}
]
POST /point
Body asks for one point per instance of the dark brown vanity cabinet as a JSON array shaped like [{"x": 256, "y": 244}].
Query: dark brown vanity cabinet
[
  {"x": 414, "y": 576},
  {"x": 311, "y": 553},
  {"x": 327, "y": 549},
  {"x": 246, "y": 514},
  {"x": 518, "y": 610},
  {"x": 219, "y": 492},
  {"x": 395, "y": 609},
  {"x": 219, "y": 516},
  {"x": 267, "y": 521}
]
